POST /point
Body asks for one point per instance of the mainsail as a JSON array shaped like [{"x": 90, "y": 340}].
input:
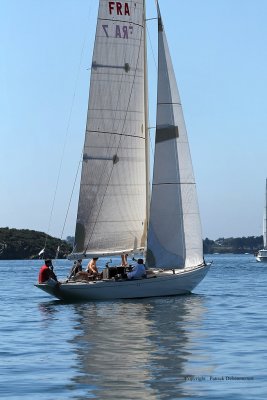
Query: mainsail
[
  {"x": 174, "y": 235},
  {"x": 112, "y": 203}
]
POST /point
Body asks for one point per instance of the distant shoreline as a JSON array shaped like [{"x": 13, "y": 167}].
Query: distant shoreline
[
  {"x": 239, "y": 245},
  {"x": 26, "y": 244}
]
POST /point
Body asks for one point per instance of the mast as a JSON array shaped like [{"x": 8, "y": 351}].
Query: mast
[
  {"x": 147, "y": 133},
  {"x": 265, "y": 221}
]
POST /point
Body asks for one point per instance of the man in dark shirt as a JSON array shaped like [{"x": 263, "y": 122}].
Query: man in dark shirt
[
  {"x": 46, "y": 272},
  {"x": 77, "y": 267}
]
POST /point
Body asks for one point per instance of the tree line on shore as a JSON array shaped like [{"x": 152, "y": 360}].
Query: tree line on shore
[
  {"x": 25, "y": 244},
  {"x": 22, "y": 244},
  {"x": 239, "y": 245}
]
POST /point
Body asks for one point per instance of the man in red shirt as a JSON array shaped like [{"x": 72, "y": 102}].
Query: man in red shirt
[{"x": 46, "y": 272}]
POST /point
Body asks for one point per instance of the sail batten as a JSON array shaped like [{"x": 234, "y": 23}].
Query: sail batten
[{"x": 174, "y": 235}]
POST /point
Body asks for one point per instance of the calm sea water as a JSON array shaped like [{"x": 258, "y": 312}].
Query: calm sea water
[{"x": 208, "y": 345}]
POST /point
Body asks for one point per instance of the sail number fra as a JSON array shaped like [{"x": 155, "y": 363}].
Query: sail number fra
[{"x": 118, "y": 8}]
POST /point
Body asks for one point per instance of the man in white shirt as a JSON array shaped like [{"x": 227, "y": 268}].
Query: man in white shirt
[{"x": 138, "y": 270}]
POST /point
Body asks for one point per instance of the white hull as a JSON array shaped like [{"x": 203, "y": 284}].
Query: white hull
[
  {"x": 262, "y": 256},
  {"x": 163, "y": 284}
]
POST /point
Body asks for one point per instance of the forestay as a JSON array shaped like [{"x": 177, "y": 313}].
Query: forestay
[
  {"x": 112, "y": 201},
  {"x": 174, "y": 235}
]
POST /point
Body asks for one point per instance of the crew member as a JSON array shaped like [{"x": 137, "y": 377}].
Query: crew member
[
  {"x": 92, "y": 268},
  {"x": 46, "y": 272},
  {"x": 138, "y": 270},
  {"x": 77, "y": 267}
]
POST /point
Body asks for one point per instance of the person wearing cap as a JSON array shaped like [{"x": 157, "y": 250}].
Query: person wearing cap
[
  {"x": 46, "y": 272},
  {"x": 138, "y": 271}
]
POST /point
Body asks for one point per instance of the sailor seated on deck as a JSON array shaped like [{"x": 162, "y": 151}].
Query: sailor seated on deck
[
  {"x": 77, "y": 267},
  {"x": 138, "y": 271},
  {"x": 92, "y": 269},
  {"x": 46, "y": 272}
]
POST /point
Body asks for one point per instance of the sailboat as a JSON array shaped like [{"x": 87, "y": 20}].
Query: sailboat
[
  {"x": 261, "y": 256},
  {"x": 118, "y": 211}
]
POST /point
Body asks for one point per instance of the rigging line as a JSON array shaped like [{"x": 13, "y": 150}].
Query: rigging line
[
  {"x": 150, "y": 42},
  {"x": 152, "y": 148},
  {"x": 67, "y": 129},
  {"x": 173, "y": 183},
  {"x": 141, "y": 38},
  {"x": 73, "y": 187}
]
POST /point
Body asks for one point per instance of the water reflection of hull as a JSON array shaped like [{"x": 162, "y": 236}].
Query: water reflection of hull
[{"x": 136, "y": 350}]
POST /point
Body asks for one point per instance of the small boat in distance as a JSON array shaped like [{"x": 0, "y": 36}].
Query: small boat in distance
[
  {"x": 261, "y": 256},
  {"x": 118, "y": 213}
]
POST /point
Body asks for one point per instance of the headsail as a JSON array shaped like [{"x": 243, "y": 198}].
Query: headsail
[
  {"x": 112, "y": 202},
  {"x": 174, "y": 235}
]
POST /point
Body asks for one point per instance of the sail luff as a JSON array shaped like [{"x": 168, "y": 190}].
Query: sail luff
[
  {"x": 174, "y": 236},
  {"x": 111, "y": 210}
]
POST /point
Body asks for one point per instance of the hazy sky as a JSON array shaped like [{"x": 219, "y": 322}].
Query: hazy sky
[{"x": 219, "y": 50}]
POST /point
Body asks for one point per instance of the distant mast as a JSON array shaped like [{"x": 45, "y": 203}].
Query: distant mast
[{"x": 265, "y": 221}]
